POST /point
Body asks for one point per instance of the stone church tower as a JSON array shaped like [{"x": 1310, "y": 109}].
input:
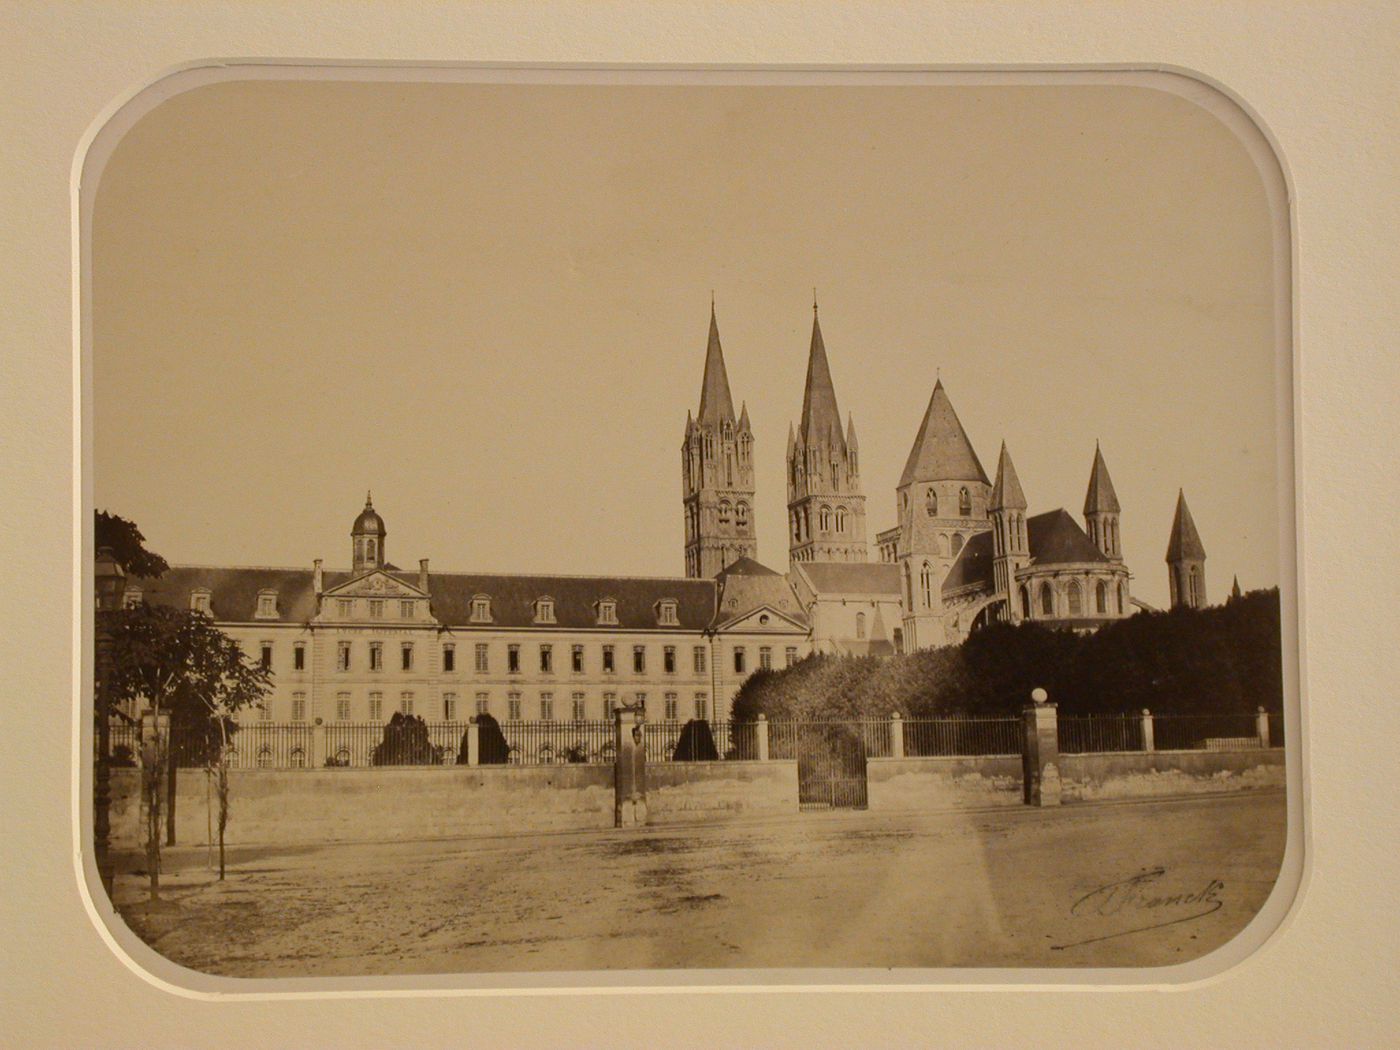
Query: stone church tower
[
  {"x": 717, "y": 474},
  {"x": 1101, "y": 510},
  {"x": 826, "y": 509},
  {"x": 1186, "y": 559},
  {"x": 943, "y": 501},
  {"x": 1011, "y": 550}
]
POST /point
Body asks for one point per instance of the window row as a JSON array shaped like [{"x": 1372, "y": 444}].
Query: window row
[
  {"x": 667, "y": 611},
  {"x": 829, "y": 519},
  {"x": 449, "y": 708},
  {"x": 1102, "y": 599},
  {"x": 765, "y": 658}
]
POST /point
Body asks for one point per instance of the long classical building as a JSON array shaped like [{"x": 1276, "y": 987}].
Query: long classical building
[{"x": 355, "y": 646}]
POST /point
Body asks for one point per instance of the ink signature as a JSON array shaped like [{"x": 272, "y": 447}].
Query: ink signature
[{"x": 1139, "y": 897}]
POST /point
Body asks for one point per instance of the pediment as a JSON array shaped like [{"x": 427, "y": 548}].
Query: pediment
[
  {"x": 763, "y": 618},
  {"x": 375, "y": 584}
]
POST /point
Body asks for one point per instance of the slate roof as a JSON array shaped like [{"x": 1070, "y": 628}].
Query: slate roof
[
  {"x": 716, "y": 404},
  {"x": 746, "y": 586},
  {"x": 834, "y": 577},
  {"x": 942, "y": 451},
  {"x": 234, "y": 595},
  {"x": 1055, "y": 538}
]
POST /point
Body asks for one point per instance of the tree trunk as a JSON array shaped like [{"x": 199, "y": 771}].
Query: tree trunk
[{"x": 170, "y": 764}]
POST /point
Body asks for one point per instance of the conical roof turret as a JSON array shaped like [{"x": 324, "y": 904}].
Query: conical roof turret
[
  {"x": 1006, "y": 493},
  {"x": 1100, "y": 498},
  {"x": 821, "y": 419},
  {"x": 716, "y": 405},
  {"x": 1185, "y": 543},
  {"x": 942, "y": 451}
]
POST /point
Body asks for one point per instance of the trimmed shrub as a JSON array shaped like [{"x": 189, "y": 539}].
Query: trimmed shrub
[
  {"x": 491, "y": 743},
  {"x": 696, "y": 743},
  {"x": 405, "y": 743}
]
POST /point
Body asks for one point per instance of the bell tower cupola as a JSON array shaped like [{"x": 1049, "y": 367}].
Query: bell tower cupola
[{"x": 367, "y": 539}]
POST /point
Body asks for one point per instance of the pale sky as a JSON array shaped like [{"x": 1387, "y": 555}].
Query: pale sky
[{"x": 489, "y": 305}]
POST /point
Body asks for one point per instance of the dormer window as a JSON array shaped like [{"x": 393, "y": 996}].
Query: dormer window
[
  {"x": 607, "y": 611},
  {"x": 544, "y": 610},
  {"x": 267, "y": 604},
  {"x": 481, "y": 609},
  {"x": 200, "y": 600},
  {"x": 666, "y": 613},
  {"x": 131, "y": 598}
]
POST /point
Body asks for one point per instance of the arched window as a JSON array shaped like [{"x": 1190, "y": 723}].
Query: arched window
[
  {"x": 957, "y": 543},
  {"x": 1195, "y": 586},
  {"x": 840, "y": 519},
  {"x": 724, "y": 510},
  {"x": 964, "y": 502},
  {"x": 1025, "y": 604},
  {"x": 1076, "y": 599},
  {"x": 741, "y": 513},
  {"x": 796, "y": 526},
  {"x": 860, "y": 625},
  {"x": 943, "y": 545},
  {"x": 824, "y": 518},
  {"x": 931, "y": 502},
  {"x": 1047, "y": 600},
  {"x": 369, "y": 548},
  {"x": 926, "y": 586},
  {"x": 1101, "y": 598},
  {"x": 909, "y": 587}
]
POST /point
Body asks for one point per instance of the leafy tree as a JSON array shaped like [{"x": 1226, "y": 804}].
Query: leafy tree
[
  {"x": 182, "y": 665},
  {"x": 127, "y": 544}
]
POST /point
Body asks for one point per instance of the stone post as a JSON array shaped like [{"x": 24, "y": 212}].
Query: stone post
[
  {"x": 1040, "y": 756},
  {"x": 896, "y": 735},
  {"x": 473, "y": 743},
  {"x": 1148, "y": 744},
  {"x": 630, "y": 767},
  {"x": 761, "y": 737},
  {"x": 1261, "y": 727}
]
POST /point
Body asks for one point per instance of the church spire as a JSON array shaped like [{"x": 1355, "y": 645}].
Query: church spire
[
  {"x": 1186, "y": 559},
  {"x": 1185, "y": 542},
  {"x": 1007, "y": 493},
  {"x": 716, "y": 404},
  {"x": 820, "y": 416},
  {"x": 942, "y": 451},
  {"x": 1100, "y": 498}
]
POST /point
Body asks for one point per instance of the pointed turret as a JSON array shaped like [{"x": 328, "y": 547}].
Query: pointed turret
[
  {"x": 716, "y": 404},
  {"x": 744, "y": 417},
  {"x": 1100, "y": 497},
  {"x": 1235, "y": 592},
  {"x": 851, "y": 442},
  {"x": 1186, "y": 559},
  {"x": 1006, "y": 493},
  {"x": 1101, "y": 509},
  {"x": 792, "y": 441},
  {"x": 942, "y": 451},
  {"x": 820, "y": 416}
]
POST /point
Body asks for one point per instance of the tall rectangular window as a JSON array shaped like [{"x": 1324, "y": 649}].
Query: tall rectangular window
[
  {"x": 672, "y": 705},
  {"x": 639, "y": 659},
  {"x": 265, "y": 711},
  {"x": 449, "y": 657},
  {"x": 342, "y": 707},
  {"x": 376, "y": 707},
  {"x": 449, "y": 707},
  {"x": 483, "y": 703},
  {"x": 702, "y": 706},
  {"x": 699, "y": 654},
  {"x": 299, "y": 656},
  {"x": 481, "y": 610},
  {"x": 740, "y": 663},
  {"x": 266, "y": 658},
  {"x": 577, "y": 664},
  {"x": 342, "y": 656},
  {"x": 765, "y": 657},
  {"x": 376, "y": 656},
  {"x": 298, "y": 707},
  {"x": 513, "y": 659},
  {"x": 482, "y": 661},
  {"x": 376, "y": 608},
  {"x": 669, "y": 659},
  {"x": 406, "y": 610},
  {"x": 343, "y": 607},
  {"x": 579, "y": 710},
  {"x": 609, "y": 705},
  {"x": 406, "y": 703},
  {"x": 546, "y": 707},
  {"x": 640, "y": 699},
  {"x": 790, "y": 655},
  {"x": 546, "y": 659},
  {"x": 513, "y": 707},
  {"x": 608, "y": 664},
  {"x": 406, "y": 655}
]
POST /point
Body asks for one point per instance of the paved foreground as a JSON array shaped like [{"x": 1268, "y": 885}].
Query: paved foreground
[{"x": 1065, "y": 887}]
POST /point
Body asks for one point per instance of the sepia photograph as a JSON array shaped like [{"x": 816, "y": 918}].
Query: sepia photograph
[{"x": 586, "y": 523}]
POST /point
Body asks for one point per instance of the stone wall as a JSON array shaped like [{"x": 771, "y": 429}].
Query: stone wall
[
  {"x": 943, "y": 783},
  {"x": 357, "y": 805}
]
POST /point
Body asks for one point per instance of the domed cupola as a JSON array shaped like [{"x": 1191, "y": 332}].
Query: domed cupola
[{"x": 367, "y": 536}]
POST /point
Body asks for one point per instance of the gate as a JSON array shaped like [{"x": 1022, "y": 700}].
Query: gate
[{"x": 830, "y": 768}]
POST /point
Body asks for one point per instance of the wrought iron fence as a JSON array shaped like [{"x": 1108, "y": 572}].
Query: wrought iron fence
[
  {"x": 924, "y": 737},
  {"x": 1205, "y": 732},
  {"x": 1082, "y": 734}
]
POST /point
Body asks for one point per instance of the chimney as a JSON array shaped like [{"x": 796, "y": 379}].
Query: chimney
[
  {"x": 423, "y": 575},
  {"x": 316, "y": 576}
]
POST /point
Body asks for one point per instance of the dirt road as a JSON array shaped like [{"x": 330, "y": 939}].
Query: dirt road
[{"x": 1065, "y": 887}]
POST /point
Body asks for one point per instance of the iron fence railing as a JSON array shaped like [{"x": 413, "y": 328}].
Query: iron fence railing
[{"x": 300, "y": 745}]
